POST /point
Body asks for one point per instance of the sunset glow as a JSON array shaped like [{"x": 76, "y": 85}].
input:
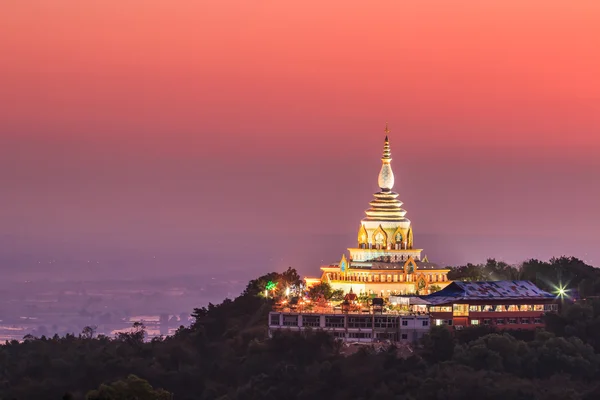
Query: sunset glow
[{"x": 180, "y": 122}]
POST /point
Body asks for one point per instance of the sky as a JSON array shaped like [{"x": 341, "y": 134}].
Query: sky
[{"x": 184, "y": 136}]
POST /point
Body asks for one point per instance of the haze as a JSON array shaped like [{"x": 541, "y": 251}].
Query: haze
[{"x": 165, "y": 138}]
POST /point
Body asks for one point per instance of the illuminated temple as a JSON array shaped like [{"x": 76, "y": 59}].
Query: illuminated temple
[{"x": 385, "y": 261}]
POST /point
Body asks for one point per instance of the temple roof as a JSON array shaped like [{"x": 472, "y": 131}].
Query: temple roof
[
  {"x": 488, "y": 290},
  {"x": 393, "y": 265},
  {"x": 386, "y": 206}
]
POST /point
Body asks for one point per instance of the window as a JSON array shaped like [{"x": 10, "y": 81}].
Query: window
[
  {"x": 450, "y": 322},
  {"x": 275, "y": 319},
  {"x": 290, "y": 320},
  {"x": 524, "y": 320},
  {"x": 404, "y": 323},
  {"x": 500, "y": 321},
  {"x": 487, "y": 321},
  {"x": 385, "y": 322},
  {"x": 537, "y": 321},
  {"x": 439, "y": 322},
  {"x": 339, "y": 334},
  {"x": 474, "y": 308},
  {"x": 404, "y": 336},
  {"x": 512, "y": 320},
  {"x": 513, "y": 307},
  {"x": 359, "y": 335},
  {"x": 474, "y": 322},
  {"x": 334, "y": 322},
  {"x": 460, "y": 310},
  {"x": 359, "y": 322},
  {"x": 311, "y": 320},
  {"x": 538, "y": 307},
  {"x": 426, "y": 323}
]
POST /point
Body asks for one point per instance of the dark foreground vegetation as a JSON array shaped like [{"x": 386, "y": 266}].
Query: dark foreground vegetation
[{"x": 224, "y": 355}]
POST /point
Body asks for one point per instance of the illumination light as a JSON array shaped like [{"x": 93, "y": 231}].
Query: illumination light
[{"x": 561, "y": 291}]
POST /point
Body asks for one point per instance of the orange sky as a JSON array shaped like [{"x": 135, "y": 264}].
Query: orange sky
[
  {"x": 478, "y": 72},
  {"x": 190, "y": 112}
]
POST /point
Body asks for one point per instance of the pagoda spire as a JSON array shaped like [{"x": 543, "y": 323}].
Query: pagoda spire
[
  {"x": 387, "y": 152},
  {"x": 386, "y": 175},
  {"x": 385, "y": 207}
]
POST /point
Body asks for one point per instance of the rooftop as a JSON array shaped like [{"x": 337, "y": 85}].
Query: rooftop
[
  {"x": 488, "y": 290},
  {"x": 399, "y": 265}
]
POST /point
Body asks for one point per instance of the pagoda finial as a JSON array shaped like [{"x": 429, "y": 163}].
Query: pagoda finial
[
  {"x": 387, "y": 152},
  {"x": 386, "y": 176}
]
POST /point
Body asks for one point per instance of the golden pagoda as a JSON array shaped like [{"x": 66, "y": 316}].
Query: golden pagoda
[{"x": 385, "y": 261}]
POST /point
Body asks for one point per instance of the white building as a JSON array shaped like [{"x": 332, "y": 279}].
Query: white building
[{"x": 354, "y": 327}]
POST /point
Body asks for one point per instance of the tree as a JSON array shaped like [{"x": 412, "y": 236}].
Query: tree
[
  {"x": 291, "y": 278},
  {"x": 469, "y": 272},
  {"x": 88, "y": 332},
  {"x": 438, "y": 344},
  {"x": 136, "y": 336},
  {"x": 337, "y": 295},
  {"x": 434, "y": 288},
  {"x": 320, "y": 291},
  {"x": 132, "y": 388}
]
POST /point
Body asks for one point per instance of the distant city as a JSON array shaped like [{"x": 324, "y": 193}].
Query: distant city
[{"x": 46, "y": 307}]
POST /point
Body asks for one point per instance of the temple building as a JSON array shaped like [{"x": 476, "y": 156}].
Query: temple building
[
  {"x": 385, "y": 261},
  {"x": 501, "y": 304}
]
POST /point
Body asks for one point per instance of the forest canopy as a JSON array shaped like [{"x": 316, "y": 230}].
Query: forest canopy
[{"x": 225, "y": 354}]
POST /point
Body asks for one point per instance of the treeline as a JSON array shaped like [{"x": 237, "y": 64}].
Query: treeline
[
  {"x": 225, "y": 355},
  {"x": 570, "y": 273}
]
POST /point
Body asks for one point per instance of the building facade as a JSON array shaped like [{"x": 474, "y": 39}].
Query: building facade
[
  {"x": 504, "y": 305},
  {"x": 354, "y": 327},
  {"x": 501, "y": 304},
  {"x": 385, "y": 260}
]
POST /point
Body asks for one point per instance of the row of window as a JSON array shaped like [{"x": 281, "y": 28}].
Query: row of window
[
  {"x": 338, "y": 322},
  {"x": 386, "y": 277},
  {"x": 509, "y": 321},
  {"x": 367, "y": 335},
  {"x": 494, "y": 321},
  {"x": 496, "y": 308}
]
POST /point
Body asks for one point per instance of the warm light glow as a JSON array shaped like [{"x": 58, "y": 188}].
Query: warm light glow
[
  {"x": 561, "y": 291},
  {"x": 287, "y": 291}
]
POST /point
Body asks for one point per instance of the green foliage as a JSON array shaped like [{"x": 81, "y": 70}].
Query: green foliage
[
  {"x": 276, "y": 282},
  {"x": 225, "y": 355},
  {"x": 574, "y": 274},
  {"x": 434, "y": 288},
  {"x": 128, "y": 389},
  {"x": 438, "y": 345},
  {"x": 323, "y": 291},
  {"x": 569, "y": 271},
  {"x": 337, "y": 295},
  {"x": 320, "y": 291},
  {"x": 492, "y": 270}
]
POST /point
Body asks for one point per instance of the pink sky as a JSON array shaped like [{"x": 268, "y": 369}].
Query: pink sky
[{"x": 158, "y": 121}]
